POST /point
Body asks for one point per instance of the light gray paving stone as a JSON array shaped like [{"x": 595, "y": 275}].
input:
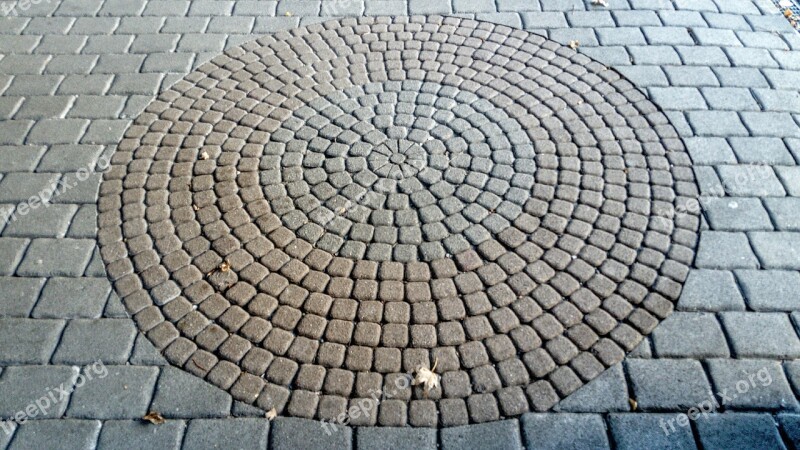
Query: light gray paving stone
[
  {"x": 616, "y": 56},
  {"x": 539, "y": 20},
  {"x": 71, "y": 64},
  {"x": 593, "y": 18},
  {"x": 643, "y": 350},
  {"x": 644, "y": 76},
  {"x": 668, "y": 35},
  {"x": 790, "y": 424},
  {"x": 72, "y": 434},
  {"x": 8, "y": 106},
  {"x": 376, "y": 438},
  {"x": 166, "y": 8},
  {"x": 709, "y": 150},
  {"x": 750, "y": 57},
  {"x": 620, "y": 36},
  {"x": 291, "y": 433},
  {"x": 725, "y": 250},
  {"x": 48, "y": 220},
  {"x": 241, "y": 409},
  {"x": 85, "y": 84},
  {"x": 140, "y": 435},
  {"x": 761, "y": 335},
  {"x": 716, "y": 37},
  {"x": 751, "y": 384},
  {"x": 677, "y": 98},
  {"x": 244, "y": 434},
  {"x": 562, "y": 431},
  {"x": 750, "y": 181},
  {"x": 105, "y": 131},
  {"x": 781, "y": 79},
  {"x": 584, "y": 36},
  {"x": 557, "y": 5},
  {"x": 168, "y": 62},
  {"x": 735, "y": 214},
  {"x": 273, "y": 24},
  {"x": 34, "y": 85},
  {"x": 84, "y": 223},
  {"x": 114, "y": 308},
  {"x": 771, "y": 23},
  {"x": 387, "y": 7},
  {"x": 765, "y": 123},
  {"x": 57, "y": 131},
  {"x": 785, "y": 212},
  {"x": 760, "y": 39},
  {"x": 20, "y": 187},
  {"x": 778, "y": 100},
  {"x": 658, "y": 431},
  {"x": 741, "y": 431},
  {"x": 790, "y": 177},
  {"x": 113, "y": 392},
  {"x": 705, "y": 56},
  {"x": 28, "y": 341},
  {"x": 667, "y": 384},
  {"x": 22, "y": 386},
  {"x": 196, "y": 24},
  {"x": 691, "y": 76},
  {"x": 690, "y": 335},
  {"x": 140, "y": 83},
  {"x": 716, "y": 123},
  {"x": 111, "y": 50},
  {"x": 171, "y": 399},
  {"x": 657, "y": 55},
  {"x": 770, "y": 290},
  {"x": 513, "y": 20},
  {"x": 73, "y": 298},
  {"x": 18, "y": 294},
  {"x": 11, "y": 251},
  {"x": 777, "y": 250},
  {"x": 44, "y": 107},
  {"x": 91, "y": 25},
  {"x": 494, "y": 435},
  {"x": 729, "y": 98},
  {"x": 56, "y": 257},
  {"x": 78, "y": 188},
  {"x": 607, "y": 392},
  {"x": 765, "y": 150},
  {"x": 683, "y": 18},
  {"x": 145, "y": 354},
  {"x": 112, "y": 341}
]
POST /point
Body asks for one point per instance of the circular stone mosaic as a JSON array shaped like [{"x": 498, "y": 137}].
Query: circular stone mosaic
[{"x": 310, "y": 218}]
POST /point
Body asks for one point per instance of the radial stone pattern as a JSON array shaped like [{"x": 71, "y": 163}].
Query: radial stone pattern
[{"x": 309, "y": 218}]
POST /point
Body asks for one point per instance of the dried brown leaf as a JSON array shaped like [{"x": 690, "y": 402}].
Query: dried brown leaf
[{"x": 154, "y": 418}]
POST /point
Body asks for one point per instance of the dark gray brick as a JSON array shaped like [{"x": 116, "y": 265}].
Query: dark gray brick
[
  {"x": 291, "y": 433},
  {"x": 244, "y": 434},
  {"x": 140, "y": 435},
  {"x": 495, "y": 435},
  {"x": 741, "y": 431},
  {"x": 790, "y": 423},
  {"x": 22, "y": 386},
  {"x": 736, "y": 214},
  {"x": 761, "y": 335},
  {"x": 777, "y": 250},
  {"x": 607, "y": 392},
  {"x": 654, "y": 383},
  {"x": 690, "y": 335},
  {"x": 171, "y": 399},
  {"x": 560, "y": 431},
  {"x": 751, "y": 384},
  {"x": 785, "y": 212},
  {"x": 724, "y": 250},
  {"x": 73, "y": 298},
  {"x": 659, "y": 431},
  {"x": 28, "y": 341},
  {"x": 770, "y": 290},
  {"x": 72, "y": 434},
  {"x": 112, "y": 341},
  {"x": 375, "y": 438},
  {"x": 130, "y": 388},
  {"x": 18, "y": 294},
  {"x": 54, "y": 257}
]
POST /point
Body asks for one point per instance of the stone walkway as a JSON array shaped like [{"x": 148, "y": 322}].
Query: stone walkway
[{"x": 523, "y": 364}]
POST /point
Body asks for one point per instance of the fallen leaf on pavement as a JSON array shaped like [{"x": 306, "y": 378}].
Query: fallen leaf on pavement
[
  {"x": 271, "y": 414},
  {"x": 154, "y": 418},
  {"x": 574, "y": 44},
  {"x": 427, "y": 378}
]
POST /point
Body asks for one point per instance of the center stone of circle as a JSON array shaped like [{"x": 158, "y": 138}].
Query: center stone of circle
[{"x": 397, "y": 159}]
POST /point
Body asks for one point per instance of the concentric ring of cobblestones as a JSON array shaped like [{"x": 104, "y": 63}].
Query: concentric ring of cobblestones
[{"x": 310, "y": 217}]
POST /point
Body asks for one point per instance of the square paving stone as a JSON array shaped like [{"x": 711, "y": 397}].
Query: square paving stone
[
  {"x": 171, "y": 398},
  {"x": 123, "y": 393},
  {"x": 607, "y": 392},
  {"x": 28, "y": 341},
  {"x": 770, "y": 290},
  {"x": 739, "y": 431},
  {"x": 724, "y": 250},
  {"x": 690, "y": 335},
  {"x": 54, "y": 257},
  {"x": 140, "y": 435},
  {"x": 761, "y": 335},
  {"x": 562, "y": 431},
  {"x": 489, "y": 436},
  {"x": 72, "y": 434},
  {"x": 243, "y": 434},
  {"x": 658, "y": 431},
  {"x": 376, "y": 438},
  {"x": 18, "y": 294},
  {"x": 751, "y": 384},
  {"x": 73, "y": 298},
  {"x": 780, "y": 250},
  {"x": 22, "y": 386},
  {"x": 111, "y": 341},
  {"x": 291, "y": 433},
  {"x": 710, "y": 290},
  {"x": 668, "y": 384}
]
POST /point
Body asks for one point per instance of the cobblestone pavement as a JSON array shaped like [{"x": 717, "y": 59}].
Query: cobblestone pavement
[{"x": 75, "y": 74}]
